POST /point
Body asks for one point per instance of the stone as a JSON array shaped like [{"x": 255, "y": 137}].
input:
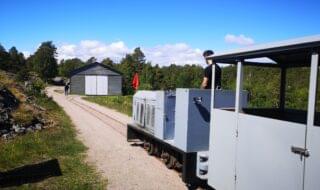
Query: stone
[
  {"x": 4, "y": 131},
  {"x": 4, "y": 117},
  {"x": 16, "y": 128},
  {"x": 21, "y": 130},
  {"x": 7, "y": 136},
  {"x": 38, "y": 126},
  {"x": 29, "y": 130}
]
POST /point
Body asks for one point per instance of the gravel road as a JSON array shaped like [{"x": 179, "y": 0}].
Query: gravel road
[{"x": 103, "y": 131}]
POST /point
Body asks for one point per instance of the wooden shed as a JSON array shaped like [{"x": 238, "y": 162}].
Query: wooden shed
[{"x": 95, "y": 79}]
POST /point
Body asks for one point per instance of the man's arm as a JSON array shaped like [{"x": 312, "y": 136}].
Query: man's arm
[{"x": 204, "y": 83}]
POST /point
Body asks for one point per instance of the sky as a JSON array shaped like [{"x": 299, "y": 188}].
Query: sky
[{"x": 168, "y": 31}]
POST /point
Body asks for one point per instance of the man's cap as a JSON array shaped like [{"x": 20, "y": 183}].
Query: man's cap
[{"x": 207, "y": 53}]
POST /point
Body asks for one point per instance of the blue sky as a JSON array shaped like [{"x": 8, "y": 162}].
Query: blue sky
[{"x": 154, "y": 25}]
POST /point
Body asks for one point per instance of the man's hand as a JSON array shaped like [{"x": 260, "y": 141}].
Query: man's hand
[{"x": 204, "y": 83}]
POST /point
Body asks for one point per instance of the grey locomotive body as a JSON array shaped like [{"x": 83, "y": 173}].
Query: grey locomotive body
[{"x": 175, "y": 126}]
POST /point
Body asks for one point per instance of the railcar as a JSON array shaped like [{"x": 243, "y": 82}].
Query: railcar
[
  {"x": 220, "y": 139},
  {"x": 272, "y": 146}
]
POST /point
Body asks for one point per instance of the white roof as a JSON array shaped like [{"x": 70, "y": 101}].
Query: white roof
[
  {"x": 145, "y": 94},
  {"x": 292, "y": 42}
]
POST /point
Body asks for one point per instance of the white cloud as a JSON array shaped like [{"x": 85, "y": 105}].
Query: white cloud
[
  {"x": 240, "y": 40},
  {"x": 92, "y": 48},
  {"x": 26, "y": 54},
  {"x": 89, "y": 43},
  {"x": 179, "y": 53}
]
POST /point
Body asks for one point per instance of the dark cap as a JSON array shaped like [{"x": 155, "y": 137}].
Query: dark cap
[{"x": 207, "y": 53}]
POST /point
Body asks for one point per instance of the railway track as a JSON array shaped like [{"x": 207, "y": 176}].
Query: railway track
[{"x": 118, "y": 126}]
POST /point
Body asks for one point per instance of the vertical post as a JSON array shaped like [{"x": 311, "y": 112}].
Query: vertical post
[
  {"x": 212, "y": 127},
  {"x": 213, "y": 81},
  {"x": 283, "y": 88},
  {"x": 238, "y": 105},
  {"x": 312, "y": 89}
]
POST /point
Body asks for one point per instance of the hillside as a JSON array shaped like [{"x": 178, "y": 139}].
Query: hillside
[
  {"x": 39, "y": 149},
  {"x": 19, "y": 113}
]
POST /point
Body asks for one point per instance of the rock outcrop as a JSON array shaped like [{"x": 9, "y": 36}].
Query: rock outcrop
[{"x": 9, "y": 128}]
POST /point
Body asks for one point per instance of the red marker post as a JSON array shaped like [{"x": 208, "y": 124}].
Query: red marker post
[{"x": 135, "y": 81}]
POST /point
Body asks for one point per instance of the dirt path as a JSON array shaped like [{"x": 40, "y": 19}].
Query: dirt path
[{"x": 103, "y": 131}]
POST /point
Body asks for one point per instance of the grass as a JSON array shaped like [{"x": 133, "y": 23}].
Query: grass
[
  {"x": 57, "y": 142},
  {"x": 122, "y": 104}
]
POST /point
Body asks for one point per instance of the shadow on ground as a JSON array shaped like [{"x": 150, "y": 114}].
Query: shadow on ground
[{"x": 30, "y": 173}]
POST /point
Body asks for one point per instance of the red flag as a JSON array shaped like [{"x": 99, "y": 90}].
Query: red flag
[{"x": 135, "y": 81}]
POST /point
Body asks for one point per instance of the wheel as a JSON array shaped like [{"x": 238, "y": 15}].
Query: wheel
[
  {"x": 157, "y": 151},
  {"x": 165, "y": 157},
  {"x": 151, "y": 148},
  {"x": 178, "y": 166},
  {"x": 192, "y": 186},
  {"x": 146, "y": 145},
  {"x": 172, "y": 162}
]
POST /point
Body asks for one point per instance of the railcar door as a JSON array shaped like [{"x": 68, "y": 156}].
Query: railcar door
[{"x": 269, "y": 153}]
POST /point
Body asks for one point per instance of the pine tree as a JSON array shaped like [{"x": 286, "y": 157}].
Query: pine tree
[{"x": 43, "y": 61}]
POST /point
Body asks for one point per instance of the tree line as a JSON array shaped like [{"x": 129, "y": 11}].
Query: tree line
[
  {"x": 262, "y": 84},
  {"x": 42, "y": 62},
  {"x": 152, "y": 77}
]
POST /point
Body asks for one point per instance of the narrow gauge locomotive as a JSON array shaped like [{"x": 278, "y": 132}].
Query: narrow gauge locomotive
[{"x": 175, "y": 125}]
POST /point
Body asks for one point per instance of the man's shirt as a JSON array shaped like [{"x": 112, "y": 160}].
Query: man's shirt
[{"x": 208, "y": 74}]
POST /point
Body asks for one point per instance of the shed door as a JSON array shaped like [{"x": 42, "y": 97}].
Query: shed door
[
  {"x": 102, "y": 85},
  {"x": 90, "y": 85}
]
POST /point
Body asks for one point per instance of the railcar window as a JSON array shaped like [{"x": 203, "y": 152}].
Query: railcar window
[
  {"x": 141, "y": 113},
  {"x": 148, "y": 114},
  {"x": 152, "y": 116},
  {"x": 228, "y": 77},
  {"x": 297, "y": 88},
  {"x": 228, "y": 80},
  {"x": 137, "y": 111},
  {"x": 263, "y": 86}
]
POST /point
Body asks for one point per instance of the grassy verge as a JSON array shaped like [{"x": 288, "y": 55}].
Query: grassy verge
[
  {"x": 122, "y": 104},
  {"x": 58, "y": 142}
]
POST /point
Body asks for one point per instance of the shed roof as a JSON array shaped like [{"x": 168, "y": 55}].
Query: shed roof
[
  {"x": 89, "y": 69},
  {"x": 293, "y": 52}
]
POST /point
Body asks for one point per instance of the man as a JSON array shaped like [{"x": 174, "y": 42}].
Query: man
[
  {"x": 66, "y": 89},
  {"x": 207, "y": 79}
]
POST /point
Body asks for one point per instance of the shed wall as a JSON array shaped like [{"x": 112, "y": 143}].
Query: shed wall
[
  {"x": 77, "y": 84},
  {"x": 114, "y": 85}
]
